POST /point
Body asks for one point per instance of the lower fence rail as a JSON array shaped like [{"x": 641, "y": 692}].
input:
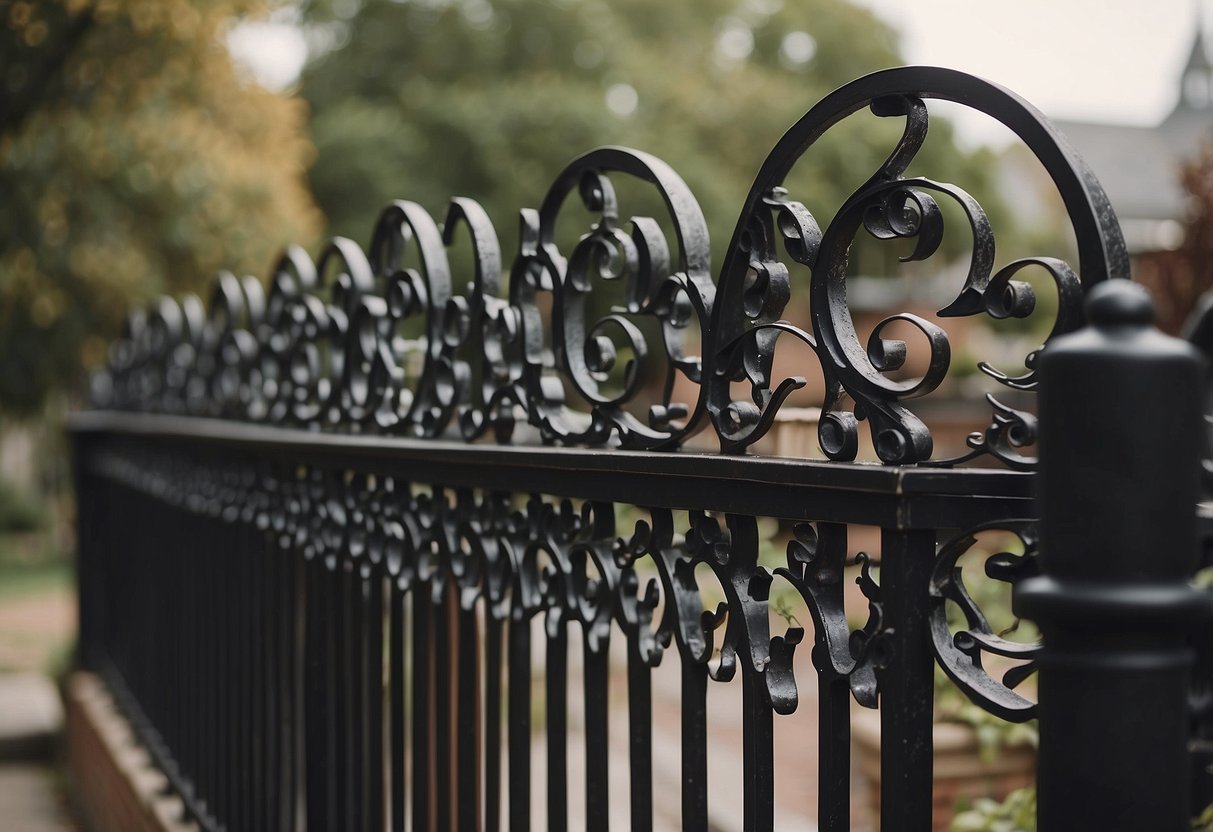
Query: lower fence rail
[
  {"x": 329, "y": 593},
  {"x": 310, "y": 645},
  {"x": 302, "y": 642}
]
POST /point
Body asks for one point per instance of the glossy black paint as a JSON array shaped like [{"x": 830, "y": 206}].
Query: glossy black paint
[
  {"x": 328, "y": 533},
  {"x": 1119, "y": 544}
]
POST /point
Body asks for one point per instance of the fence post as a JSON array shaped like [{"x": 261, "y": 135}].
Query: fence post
[{"x": 1120, "y": 446}]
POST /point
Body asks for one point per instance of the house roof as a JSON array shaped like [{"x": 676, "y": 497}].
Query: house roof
[{"x": 1140, "y": 166}]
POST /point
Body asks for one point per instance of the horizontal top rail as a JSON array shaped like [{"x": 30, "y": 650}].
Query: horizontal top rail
[
  {"x": 888, "y": 496},
  {"x": 400, "y": 339}
]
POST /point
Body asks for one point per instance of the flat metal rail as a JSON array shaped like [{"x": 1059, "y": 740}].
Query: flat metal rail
[{"x": 335, "y": 591}]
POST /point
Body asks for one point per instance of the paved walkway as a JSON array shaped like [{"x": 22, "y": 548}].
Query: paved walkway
[
  {"x": 31, "y": 800},
  {"x": 32, "y": 629},
  {"x": 35, "y": 629},
  {"x": 31, "y": 719}
]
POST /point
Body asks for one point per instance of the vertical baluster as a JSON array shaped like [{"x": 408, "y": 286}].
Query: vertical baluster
[
  {"x": 758, "y": 741},
  {"x": 355, "y": 681},
  {"x": 199, "y": 630},
  {"x": 224, "y": 635},
  {"x": 907, "y": 684},
  {"x": 492, "y": 721},
  {"x": 206, "y": 700},
  {"x": 295, "y": 717},
  {"x": 467, "y": 724},
  {"x": 397, "y": 722},
  {"x": 187, "y": 711},
  {"x": 252, "y": 693},
  {"x": 597, "y": 684},
  {"x": 422, "y": 711},
  {"x": 214, "y": 569},
  {"x": 258, "y": 691},
  {"x": 316, "y": 750},
  {"x": 640, "y": 737},
  {"x": 185, "y": 717},
  {"x": 519, "y": 738},
  {"x": 443, "y": 693},
  {"x": 833, "y": 703},
  {"x": 270, "y": 594},
  {"x": 339, "y": 684},
  {"x": 238, "y": 684},
  {"x": 834, "y": 752},
  {"x": 372, "y": 587},
  {"x": 694, "y": 744}
]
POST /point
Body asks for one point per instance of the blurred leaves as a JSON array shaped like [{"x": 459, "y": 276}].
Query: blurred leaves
[
  {"x": 1177, "y": 279},
  {"x": 134, "y": 160},
  {"x": 21, "y": 511},
  {"x": 428, "y": 99},
  {"x": 1015, "y": 814}
]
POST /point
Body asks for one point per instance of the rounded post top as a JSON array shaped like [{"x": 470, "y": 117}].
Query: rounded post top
[
  {"x": 1120, "y": 427},
  {"x": 1115, "y": 303}
]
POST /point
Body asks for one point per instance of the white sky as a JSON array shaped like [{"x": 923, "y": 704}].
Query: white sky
[
  {"x": 1098, "y": 60},
  {"x": 1090, "y": 60}
]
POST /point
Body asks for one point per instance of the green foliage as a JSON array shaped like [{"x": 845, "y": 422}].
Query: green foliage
[
  {"x": 25, "y": 578},
  {"x": 20, "y": 511},
  {"x": 1018, "y": 814},
  {"x": 993, "y": 733},
  {"x": 491, "y": 98},
  {"x": 134, "y": 160},
  {"x": 1204, "y": 578},
  {"x": 1015, "y": 814}
]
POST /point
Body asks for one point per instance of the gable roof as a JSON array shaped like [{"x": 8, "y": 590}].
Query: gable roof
[{"x": 1140, "y": 166}]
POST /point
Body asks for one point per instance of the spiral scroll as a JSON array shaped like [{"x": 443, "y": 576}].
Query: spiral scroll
[
  {"x": 393, "y": 341},
  {"x": 754, "y": 286},
  {"x": 960, "y": 654}
]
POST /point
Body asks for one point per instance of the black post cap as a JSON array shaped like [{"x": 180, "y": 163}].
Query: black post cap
[{"x": 1120, "y": 428}]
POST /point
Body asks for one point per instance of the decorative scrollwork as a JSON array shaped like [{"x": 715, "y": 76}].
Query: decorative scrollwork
[
  {"x": 393, "y": 341},
  {"x": 960, "y": 654},
  {"x": 754, "y": 285},
  {"x": 816, "y": 560}
]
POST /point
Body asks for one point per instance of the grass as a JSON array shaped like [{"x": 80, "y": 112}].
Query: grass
[
  {"x": 31, "y": 564},
  {"x": 33, "y": 570},
  {"x": 19, "y": 580}
]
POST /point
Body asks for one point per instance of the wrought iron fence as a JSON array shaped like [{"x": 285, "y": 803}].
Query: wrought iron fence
[{"x": 328, "y": 531}]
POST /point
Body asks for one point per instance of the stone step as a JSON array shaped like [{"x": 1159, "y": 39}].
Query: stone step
[
  {"x": 31, "y": 717},
  {"x": 31, "y": 801}
]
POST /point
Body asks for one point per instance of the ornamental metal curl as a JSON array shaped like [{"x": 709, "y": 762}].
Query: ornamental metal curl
[
  {"x": 960, "y": 654},
  {"x": 816, "y": 559},
  {"x": 754, "y": 285},
  {"x": 393, "y": 341}
]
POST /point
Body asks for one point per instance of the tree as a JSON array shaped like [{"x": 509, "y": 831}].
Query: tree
[
  {"x": 1177, "y": 279},
  {"x": 134, "y": 160},
  {"x": 427, "y": 99}
]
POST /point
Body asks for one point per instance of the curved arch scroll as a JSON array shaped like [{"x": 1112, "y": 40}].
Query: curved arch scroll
[
  {"x": 753, "y": 287},
  {"x": 960, "y": 654},
  {"x": 392, "y": 340},
  {"x": 670, "y": 287}
]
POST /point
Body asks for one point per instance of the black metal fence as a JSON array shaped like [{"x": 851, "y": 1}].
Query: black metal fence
[{"x": 328, "y": 532}]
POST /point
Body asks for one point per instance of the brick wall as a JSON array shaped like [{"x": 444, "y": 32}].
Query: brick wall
[{"x": 113, "y": 784}]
